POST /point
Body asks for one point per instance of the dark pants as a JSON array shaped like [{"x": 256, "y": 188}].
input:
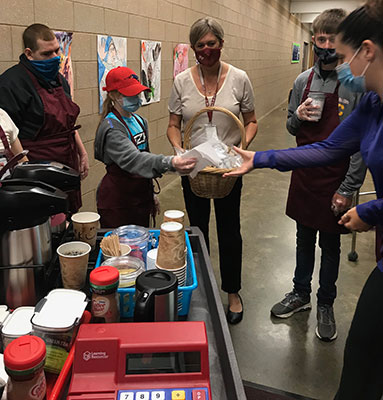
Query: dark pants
[
  {"x": 227, "y": 214},
  {"x": 362, "y": 374},
  {"x": 305, "y": 259},
  {"x": 115, "y": 217}
]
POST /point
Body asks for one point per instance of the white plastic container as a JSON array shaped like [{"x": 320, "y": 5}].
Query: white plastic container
[
  {"x": 56, "y": 321},
  {"x": 17, "y": 324},
  {"x": 4, "y": 312},
  {"x": 3, "y": 316}
]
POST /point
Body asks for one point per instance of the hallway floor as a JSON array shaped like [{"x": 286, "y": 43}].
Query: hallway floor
[{"x": 283, "y": 354}]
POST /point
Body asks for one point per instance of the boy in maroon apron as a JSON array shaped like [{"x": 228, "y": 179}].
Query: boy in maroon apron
[
  {"x": 315, "y": 192},
  {"x": 37, "y": 98}
]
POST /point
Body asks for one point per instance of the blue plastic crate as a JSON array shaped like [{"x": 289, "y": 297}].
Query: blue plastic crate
[{"x": 127, "y": 295}]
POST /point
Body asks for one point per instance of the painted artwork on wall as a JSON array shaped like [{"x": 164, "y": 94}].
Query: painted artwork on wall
[
  {"x": 151, "y": 70},
  {"x": 111, "y": 53},
  {"x": 180, "y": 58},
  {"x": 296, "y": 53},
  {"x": 65, "y": 42}
]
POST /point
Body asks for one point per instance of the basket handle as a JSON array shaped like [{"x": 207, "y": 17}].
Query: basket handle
[{"x": 189, "y": 125}]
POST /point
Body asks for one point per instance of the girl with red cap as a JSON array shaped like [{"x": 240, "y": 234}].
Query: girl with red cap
[{"x": 125, "y": 195}]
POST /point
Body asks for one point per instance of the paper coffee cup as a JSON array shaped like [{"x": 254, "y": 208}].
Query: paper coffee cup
[
  {"x": 151, "y": 258},
  {"x": 318, "y": 99},
  {"x": 174, "y": 215},
  {"x": 171, "y": 247},
  {"x": 85, "y": 225},
  {"x": 73, "y": 258}
]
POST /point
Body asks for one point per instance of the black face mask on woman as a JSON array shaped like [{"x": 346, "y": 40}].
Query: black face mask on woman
[{"x": 327, "y": 56}]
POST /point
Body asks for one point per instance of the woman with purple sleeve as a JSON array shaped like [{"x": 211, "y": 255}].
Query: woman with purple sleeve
[{"x": 359, "y": 45}]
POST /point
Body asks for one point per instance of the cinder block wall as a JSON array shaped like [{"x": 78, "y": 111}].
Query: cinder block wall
[{"x": 258, "y": 39}]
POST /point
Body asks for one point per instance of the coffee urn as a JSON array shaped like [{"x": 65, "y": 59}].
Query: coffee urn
[{"x": 32, "y": 193}]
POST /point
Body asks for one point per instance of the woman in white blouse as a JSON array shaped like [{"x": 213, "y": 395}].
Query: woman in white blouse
[{"x": 213, "y": 82}]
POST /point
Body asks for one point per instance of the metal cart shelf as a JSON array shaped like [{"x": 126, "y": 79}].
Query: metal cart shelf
[{"x": 206, "y": 305}]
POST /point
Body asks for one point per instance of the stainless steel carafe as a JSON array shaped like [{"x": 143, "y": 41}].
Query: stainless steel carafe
[
  {"x": 25, "y": 237},
  {"x": 156, "y": 296},
  {"x": 28, "y": 246}
]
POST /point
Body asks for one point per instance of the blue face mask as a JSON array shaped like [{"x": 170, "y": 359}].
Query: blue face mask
[
  {"x": 131, "y": 104},
  {"x": 347, "y": 79},
  {"x": 47, "y": 68}
]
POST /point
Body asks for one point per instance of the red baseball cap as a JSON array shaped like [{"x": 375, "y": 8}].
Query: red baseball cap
[{"x": 124, "y": 80}]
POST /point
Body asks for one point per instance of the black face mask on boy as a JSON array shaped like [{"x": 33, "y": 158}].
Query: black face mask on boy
[{"x": 327, "y": 56}]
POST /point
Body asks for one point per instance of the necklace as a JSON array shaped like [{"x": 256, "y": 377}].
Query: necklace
[
  {"x": 210, "y": 113},
  {"x": 207, "y": 90}
]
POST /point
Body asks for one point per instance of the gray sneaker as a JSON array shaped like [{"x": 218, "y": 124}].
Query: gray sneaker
[
  {"x": 292, "y": 303},
  {"x": 326, "y": 328}
]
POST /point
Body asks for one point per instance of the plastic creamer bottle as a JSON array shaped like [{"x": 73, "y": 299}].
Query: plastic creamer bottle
[
  {"x": 105, "y": 304},
  {"x": 24, "y": 360}
]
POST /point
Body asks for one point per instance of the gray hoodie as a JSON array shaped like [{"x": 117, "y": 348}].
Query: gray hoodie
[
  {"x": 347, "y": 103},
  {"x": 113, "y": 145}
]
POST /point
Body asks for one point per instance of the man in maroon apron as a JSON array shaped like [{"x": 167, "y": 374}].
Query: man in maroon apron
[
  {"x": 37, "y": 98},
  {"x": 315, "y": 192}
]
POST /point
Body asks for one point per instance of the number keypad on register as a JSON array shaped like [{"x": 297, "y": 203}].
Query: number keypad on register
[{"x": 164, "y": 394}]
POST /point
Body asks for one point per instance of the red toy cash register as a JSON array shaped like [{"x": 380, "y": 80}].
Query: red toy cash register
[{"x": 141, "y": 361}]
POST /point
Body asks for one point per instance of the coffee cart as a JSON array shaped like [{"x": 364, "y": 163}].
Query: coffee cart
[{"x": 206, "y": 306}]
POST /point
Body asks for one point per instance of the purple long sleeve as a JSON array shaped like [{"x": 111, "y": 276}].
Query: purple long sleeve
[
  {"x": 362, "y": 130},
  {"x": 344, "y": 141}
]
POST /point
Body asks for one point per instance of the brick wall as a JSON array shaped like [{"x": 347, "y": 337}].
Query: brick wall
[{"x": 258, "y": 39}]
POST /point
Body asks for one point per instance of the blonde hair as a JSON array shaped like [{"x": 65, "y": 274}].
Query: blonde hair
[
  {"x": 107, "y": 105},
  {"x": 203, "y": 26}
]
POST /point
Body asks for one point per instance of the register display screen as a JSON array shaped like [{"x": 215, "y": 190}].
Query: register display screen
[{"x": 163, "y": 363}]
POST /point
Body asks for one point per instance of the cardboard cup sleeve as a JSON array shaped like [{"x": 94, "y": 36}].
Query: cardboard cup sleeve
[{"x": 171, "y": 247}]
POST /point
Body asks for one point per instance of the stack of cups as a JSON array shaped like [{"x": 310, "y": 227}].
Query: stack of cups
[
  {"x": 169, "y": 215},
  {"x": 171, "y": 254}
]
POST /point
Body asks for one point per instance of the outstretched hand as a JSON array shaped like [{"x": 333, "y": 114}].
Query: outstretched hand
[
  {"x": 352, "y": 221},
  {"x": 246, "y": 166},
  {"x": 183, "y": 165}
]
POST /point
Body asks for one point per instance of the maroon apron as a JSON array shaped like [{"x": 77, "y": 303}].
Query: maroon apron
[
  {"x": 124, "y": 198},
  {"x": 55, "y": 141},
  {"x": 311, "y": 189}
]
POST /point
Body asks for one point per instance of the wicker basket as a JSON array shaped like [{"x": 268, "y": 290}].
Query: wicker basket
[{"x": 209, "y": 182}]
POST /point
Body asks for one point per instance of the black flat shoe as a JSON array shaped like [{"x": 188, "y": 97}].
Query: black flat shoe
[{"x": 234, "y": 317}]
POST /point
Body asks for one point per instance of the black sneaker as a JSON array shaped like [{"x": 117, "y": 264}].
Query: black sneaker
[
  {"x": 292, "y": 303},
  {"x": 326, "y": 328}
]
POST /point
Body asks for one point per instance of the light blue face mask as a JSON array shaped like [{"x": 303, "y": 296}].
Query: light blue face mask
[
  {"x": 47, "y": 68},
  {"x": 131, "y": 104},
  {"x": 348, "y": 80}
]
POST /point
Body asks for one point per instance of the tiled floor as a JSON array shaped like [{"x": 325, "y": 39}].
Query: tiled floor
[{"x": 283, "y": 354}]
